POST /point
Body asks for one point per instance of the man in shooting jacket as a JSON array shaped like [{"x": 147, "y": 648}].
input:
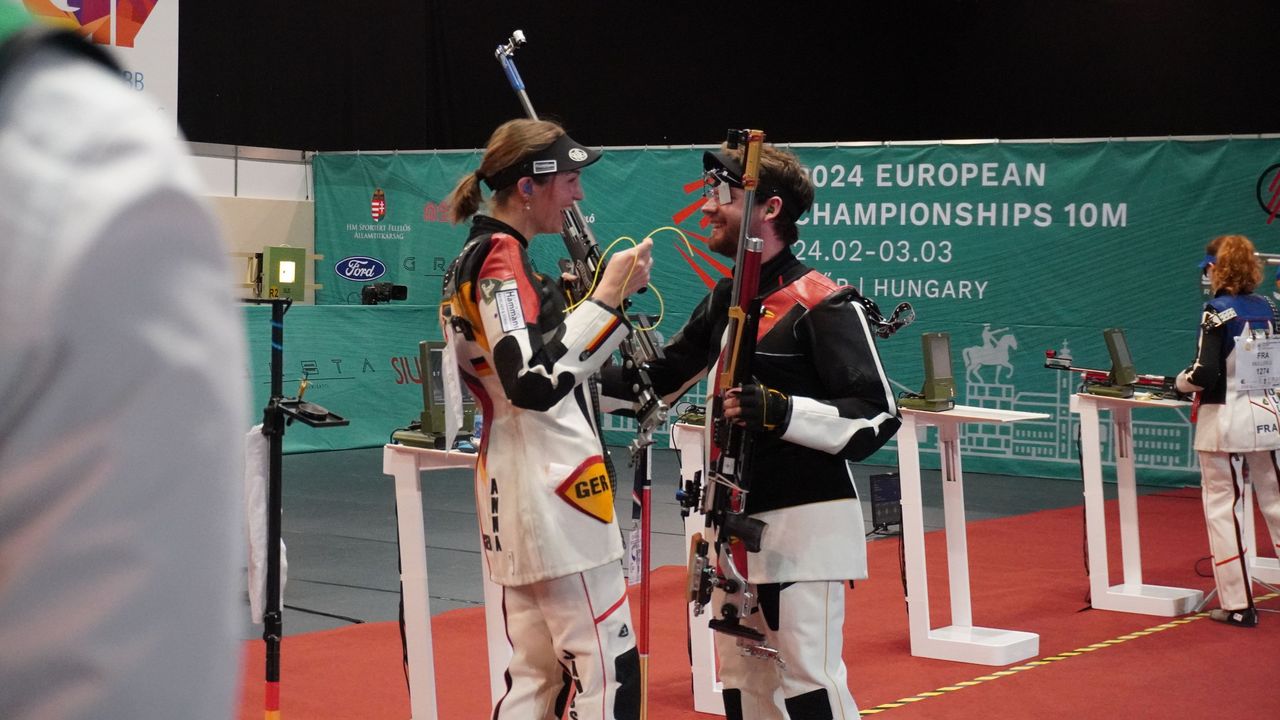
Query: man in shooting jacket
[{"x": 820, "y": 398}]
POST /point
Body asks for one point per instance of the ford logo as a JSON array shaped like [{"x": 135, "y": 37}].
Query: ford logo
[{"x": 360, "y": 268}]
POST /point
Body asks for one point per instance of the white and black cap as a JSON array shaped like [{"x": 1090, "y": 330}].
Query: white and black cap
[{"x": 563, "y": 155}]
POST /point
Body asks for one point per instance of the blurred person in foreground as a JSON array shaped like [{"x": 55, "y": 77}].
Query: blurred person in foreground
[{"x": 122, "y": 402}]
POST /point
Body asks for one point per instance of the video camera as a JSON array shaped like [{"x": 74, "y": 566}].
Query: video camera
[{"x": 382, "y": 292}]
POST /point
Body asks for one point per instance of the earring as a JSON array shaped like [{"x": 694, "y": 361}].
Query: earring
[{"x": 526, "y": 206}]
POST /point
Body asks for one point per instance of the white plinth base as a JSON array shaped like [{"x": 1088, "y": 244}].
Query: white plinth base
[
  {"x": 978, "y": 645},
  {"x": 1266, "y": 569},
  {"x": 1149, "y": 600}
]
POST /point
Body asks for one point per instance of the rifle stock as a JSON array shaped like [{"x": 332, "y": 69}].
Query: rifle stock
[{"x": 724, "y": 497}]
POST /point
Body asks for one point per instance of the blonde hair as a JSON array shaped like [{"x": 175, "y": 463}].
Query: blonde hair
[
  {"x": 1235, "y": 268},
  {"x": 509, "y": 143}
]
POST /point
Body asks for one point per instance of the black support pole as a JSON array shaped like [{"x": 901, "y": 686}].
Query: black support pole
[{"x": 273, "y": 422}]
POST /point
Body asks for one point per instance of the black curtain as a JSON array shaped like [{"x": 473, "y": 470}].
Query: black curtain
[{"x": 394, "y": 74}]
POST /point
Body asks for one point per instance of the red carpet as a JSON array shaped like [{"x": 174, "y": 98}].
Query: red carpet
[{"x": 1027, "y": 573}]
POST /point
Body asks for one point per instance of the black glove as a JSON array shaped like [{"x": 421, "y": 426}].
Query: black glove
[
  {"x": 620, "y": 381},
  {"x": 763, "y": 409}
]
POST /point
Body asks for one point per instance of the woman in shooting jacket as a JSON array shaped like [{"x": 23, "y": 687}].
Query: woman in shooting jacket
[
  {"x": 820, "y": 398},
  {"x": 1236, "y": 428},
  {"x": 543, "y": 496}
]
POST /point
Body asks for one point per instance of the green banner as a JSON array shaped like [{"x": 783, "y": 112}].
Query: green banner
[
  {"x": 1012, "y": 248},
  {"x": 361, "y": 363},
  {"x": 380, "y": 218}
]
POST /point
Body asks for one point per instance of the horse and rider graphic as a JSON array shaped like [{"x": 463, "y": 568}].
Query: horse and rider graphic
[{"x": 993, "y": 351}]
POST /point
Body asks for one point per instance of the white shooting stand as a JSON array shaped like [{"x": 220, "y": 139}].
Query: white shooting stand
[
  {"x": 1132, "y": 595},
  {"x": 961, "y": 641},
  {"x": 707, "y": 689},
  {"x": 406, "y": 464},
  {"x": 1262, "y": 569}
]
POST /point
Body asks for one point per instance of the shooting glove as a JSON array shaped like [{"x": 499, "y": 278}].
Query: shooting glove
[
  {"x": 764, "y": 409},
  {"x": 621, "y": 381}
]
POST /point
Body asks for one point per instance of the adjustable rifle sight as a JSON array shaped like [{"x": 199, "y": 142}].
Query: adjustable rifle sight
[
  {"x": 513, "y": 43},
  {"x": 736, "y": 138}
]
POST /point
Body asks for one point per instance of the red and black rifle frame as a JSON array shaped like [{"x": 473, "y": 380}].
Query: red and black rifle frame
[{"x": 723, "y": 498}]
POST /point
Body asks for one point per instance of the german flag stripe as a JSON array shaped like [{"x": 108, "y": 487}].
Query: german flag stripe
[
  {"x": 596, "y": 342},
  {"x": 271, "y": 701}
]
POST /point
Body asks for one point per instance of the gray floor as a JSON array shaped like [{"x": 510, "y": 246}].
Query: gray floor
[{"x": 340, "y": 530}]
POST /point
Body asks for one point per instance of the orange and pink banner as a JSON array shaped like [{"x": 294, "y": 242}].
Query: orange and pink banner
[{"x": 142, "y": 34}]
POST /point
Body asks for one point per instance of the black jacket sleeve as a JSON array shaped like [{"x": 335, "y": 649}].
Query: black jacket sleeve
[
  {"x": 853, "y": 412},
  {"x": 1206, "y": 369},
  {"x": 686, "y": 358}
]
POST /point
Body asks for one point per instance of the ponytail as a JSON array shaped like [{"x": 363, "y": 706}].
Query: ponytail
[
  {"x": 510, "y": 142},
  {"x": 465, "y": 199}
]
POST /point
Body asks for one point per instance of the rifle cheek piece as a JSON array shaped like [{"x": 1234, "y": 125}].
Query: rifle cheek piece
[{"x": 747, "y": 530}]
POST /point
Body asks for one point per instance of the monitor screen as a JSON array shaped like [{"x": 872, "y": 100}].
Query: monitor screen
[
  {"x": 436, "y": 375},
  {"x": 1122, "y": 369},
  {"x": 431, "y": 355},
  {"x": 937, "y": 350},
  {"x": 939, "y": 384}
]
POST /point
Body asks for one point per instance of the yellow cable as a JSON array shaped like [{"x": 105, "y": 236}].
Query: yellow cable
[
  {"x": 595, "y": 279},
  {"x": 662, "y": 303},
  {"x": 662, "y": 307},
  {"x": 631, "y": 270},
  {"x": 677, "y": 231}
]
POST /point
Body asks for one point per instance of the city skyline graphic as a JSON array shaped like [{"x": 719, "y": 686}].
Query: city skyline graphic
[{"x": 1162, "y": 438}]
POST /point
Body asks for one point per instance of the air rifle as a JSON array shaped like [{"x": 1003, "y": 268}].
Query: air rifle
[
  {"x": 724, "y": 498},
  {"x": 585, "y": 263},
  {"x": 1101, "y": 382}
]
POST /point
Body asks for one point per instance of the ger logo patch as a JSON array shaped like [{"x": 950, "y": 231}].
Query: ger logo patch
[{"x": 587, "y": 489}]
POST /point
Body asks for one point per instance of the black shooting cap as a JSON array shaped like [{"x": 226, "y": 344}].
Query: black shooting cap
[
  {"x": 728, "y": 169},
  {"x": 723, "y": 167},
  {"x": 562, "y": 155}
]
